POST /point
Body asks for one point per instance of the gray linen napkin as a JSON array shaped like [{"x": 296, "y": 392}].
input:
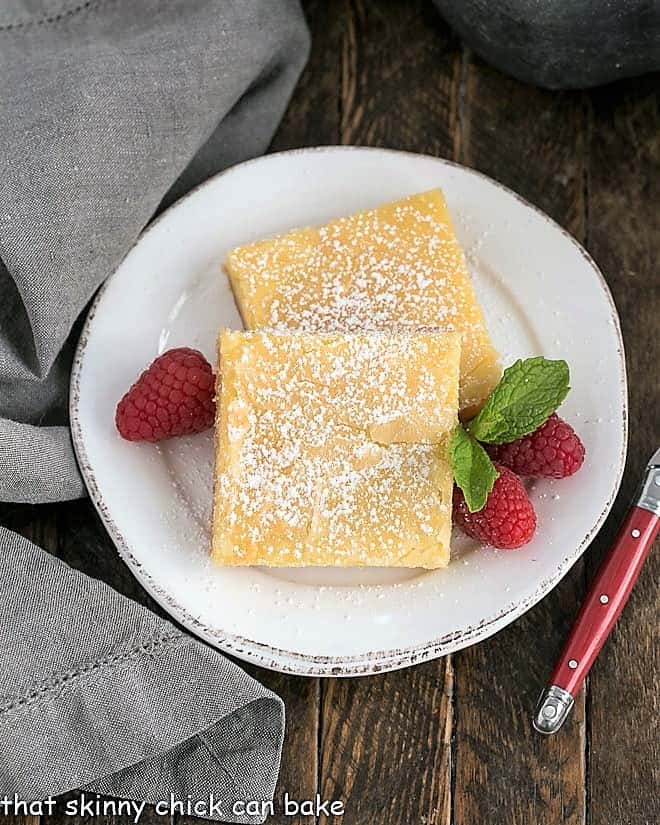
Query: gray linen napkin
[
  {"x": 98, "y": 692},
  {"x": 110, "y": 110}
]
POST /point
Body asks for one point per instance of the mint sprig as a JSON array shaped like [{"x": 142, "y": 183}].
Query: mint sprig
[
  {"x": 528, "y": 393},
  {"x": 473, "y": 470}
]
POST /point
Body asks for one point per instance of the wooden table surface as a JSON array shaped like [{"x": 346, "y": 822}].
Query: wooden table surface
[{"x": 450, "y": 741}]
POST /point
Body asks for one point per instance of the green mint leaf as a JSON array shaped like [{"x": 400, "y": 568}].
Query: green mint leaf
[
  {"x": 528, "y": 393},
  {"x": 473, "y": 470}
]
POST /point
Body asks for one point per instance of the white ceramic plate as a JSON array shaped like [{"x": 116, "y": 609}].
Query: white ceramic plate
[{"x": 541, "y": 293}]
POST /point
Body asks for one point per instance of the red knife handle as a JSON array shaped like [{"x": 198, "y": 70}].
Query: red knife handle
[{"x": 607, "y": 596}]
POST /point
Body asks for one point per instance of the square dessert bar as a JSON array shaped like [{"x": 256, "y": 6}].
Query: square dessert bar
[
  {"x": 334, "y": 449},
  {"x": 399, "y": 266}
]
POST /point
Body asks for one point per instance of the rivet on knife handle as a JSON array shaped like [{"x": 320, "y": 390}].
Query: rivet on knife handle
[{"x": 605, "y": 600}]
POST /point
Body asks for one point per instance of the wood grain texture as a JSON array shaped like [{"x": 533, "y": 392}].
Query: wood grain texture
[
  {"x": 38, "y": 523},
  {"x": 624, "y": 237},
  {"x": 21, "y": 819},
  {"x": 400, "y": 75},
  {"x": 386, "y": 740},
  {"x": 531, "y": 140},
  {"x": 386, "y": 744},
  {"x": 313, "y": 118},
  {"x": 505, "y": 774}
]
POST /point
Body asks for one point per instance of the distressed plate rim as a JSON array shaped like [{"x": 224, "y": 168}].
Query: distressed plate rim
[{"x": 294, "y": 662}]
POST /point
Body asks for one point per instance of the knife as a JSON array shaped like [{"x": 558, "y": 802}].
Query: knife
[{"x": 607, "y": 596}]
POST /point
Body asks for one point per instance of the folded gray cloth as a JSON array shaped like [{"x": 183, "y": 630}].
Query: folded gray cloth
[
  {"x": 110, "y": 110},
  {"x": 97, "y": 692}
]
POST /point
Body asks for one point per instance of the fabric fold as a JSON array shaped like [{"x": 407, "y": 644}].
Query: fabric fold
[
  {"x": 127, "y": 106},
  {"x": 98, "y": 692}
]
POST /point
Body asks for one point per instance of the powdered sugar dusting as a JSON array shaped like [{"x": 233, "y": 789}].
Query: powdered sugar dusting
[
  {"x": 333, "y": 449},
  {"x": 398, "y": 266}
]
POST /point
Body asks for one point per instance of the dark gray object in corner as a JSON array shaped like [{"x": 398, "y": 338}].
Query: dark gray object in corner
[{"x": 560, "y": 44}]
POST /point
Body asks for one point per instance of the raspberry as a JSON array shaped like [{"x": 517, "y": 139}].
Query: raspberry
[
  {"x": 552, "y": 451},
  {"x": 506, "y": 521},
  {"x": 174, "y": 396}
]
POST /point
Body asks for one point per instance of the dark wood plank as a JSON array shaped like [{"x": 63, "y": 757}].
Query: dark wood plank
[
  {"x": 38, "y": 523},
  {"x": 506, "y": 773},
  {"x": 386, "y": 745},
  {"x": 312, "y": 118},
  {"x": 624, "y": 237},
  {"x": 386, "y": 740},
  {"x": 532, "y": 141},
  {"x": 400, "y": 77},
  {"x": 20, "y": 819}
]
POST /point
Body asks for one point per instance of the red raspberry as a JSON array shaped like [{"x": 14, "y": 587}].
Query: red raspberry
[
  {"x": 173, "y": 397},
  {"x": 507, "y": 520},
  {"x": 552, "y": 451}
]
